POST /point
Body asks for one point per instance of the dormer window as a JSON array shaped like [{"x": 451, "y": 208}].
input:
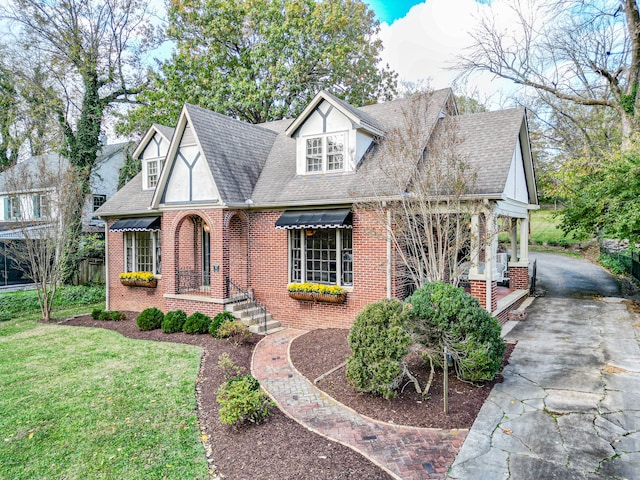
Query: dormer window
[
  {"x": 153, "y": 167},
  {"x": 325, "y": 153}
]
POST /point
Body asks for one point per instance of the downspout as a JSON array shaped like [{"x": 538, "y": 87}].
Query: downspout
[
  {"x": 389, "y": 271},
  {"x": 106, "y": 263}
]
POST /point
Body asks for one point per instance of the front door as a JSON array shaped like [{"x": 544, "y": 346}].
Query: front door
[{"x": 206, "y": 257}]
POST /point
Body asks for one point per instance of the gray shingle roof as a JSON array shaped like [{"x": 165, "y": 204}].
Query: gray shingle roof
[
  {"x": 129, "y": 200},
  {"x": 236, "y": 151},
  {"x": 487, "y": 141},
  {"x": 280, "y": 185},
  {"x": 259, "y": 161},
  {"x": 167, "y": 132}
]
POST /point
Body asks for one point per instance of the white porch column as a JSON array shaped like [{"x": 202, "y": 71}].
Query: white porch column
[
  {"x": 514, "y": 240},
  {"x": 490, "y": 254},
  {"x": 524, "y": 240},
  {"x": 475, "y": 244}
]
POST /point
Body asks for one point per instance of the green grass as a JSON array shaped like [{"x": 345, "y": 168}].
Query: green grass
[
  {"x": 89, "y": 403},
  {"x": 545, "y": 230}
]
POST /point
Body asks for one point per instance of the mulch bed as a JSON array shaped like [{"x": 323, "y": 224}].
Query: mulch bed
[
  {"x": 279, "y": 449},
  {"x": 317, "y": 352}
]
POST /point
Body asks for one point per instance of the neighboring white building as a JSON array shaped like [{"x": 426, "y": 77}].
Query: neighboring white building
[{"x": 33, "y": 206}]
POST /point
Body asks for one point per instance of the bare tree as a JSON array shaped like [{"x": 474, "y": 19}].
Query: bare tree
[
  {"x": 587, "y": 53},
  {"x": 423, "y": 201},
  {"x": 43, "y": 197}
]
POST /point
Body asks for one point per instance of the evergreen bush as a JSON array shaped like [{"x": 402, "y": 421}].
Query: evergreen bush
[
  {"x": 242, "y": 401},
  {"x": 442, "y": 315},
  {"x": 197, "y": 323},
  {"x": 174, "y": 321},
  {"x": 218, "y": 320},
  {"x": 379, "y": 344},
  {"x": 150, "y": 319}
]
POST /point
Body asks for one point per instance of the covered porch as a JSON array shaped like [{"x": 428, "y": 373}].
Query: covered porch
[{"x": 500, "y": 280}]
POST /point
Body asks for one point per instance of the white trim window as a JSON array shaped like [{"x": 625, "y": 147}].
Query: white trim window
[
  {"x": 154, "y": 167},
  {"x": 323, "y": 255},
  {"x": 12, "y": 208},
  {"x": 142, "y": 252},
  {"x": 325, "y": 153},
  {"x": 98, "y": 201}
]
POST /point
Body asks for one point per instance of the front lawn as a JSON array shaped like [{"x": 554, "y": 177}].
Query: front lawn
[{"x": 90, "y": 403}]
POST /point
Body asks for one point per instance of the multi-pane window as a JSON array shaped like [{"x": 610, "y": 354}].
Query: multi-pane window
[
  {"x": 152, "y": 173},
  {"x": 98, "y": 201},
  {"x": 12, "y": 209},
  {"x": 314, "y": 154},
  {"x": 321, "y": 256},
  {"x": 142, "y": 252},
  {"x": 325, "y": 153}
]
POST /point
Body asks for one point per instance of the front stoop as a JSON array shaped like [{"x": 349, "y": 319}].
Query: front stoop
[{"x": 244, "y": 309}]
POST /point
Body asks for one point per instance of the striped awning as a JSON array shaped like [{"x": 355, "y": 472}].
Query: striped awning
[
  {"x": 137, "y": 224},
  {"x": 336, "y": 218}
]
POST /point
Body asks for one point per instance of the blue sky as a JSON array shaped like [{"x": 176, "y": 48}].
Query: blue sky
[{"x": 390, "y": 10}]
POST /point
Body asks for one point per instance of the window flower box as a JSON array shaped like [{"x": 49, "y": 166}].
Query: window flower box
[
  {"x": 316, "y": 292},
  {"x": 138, "y": 279}
]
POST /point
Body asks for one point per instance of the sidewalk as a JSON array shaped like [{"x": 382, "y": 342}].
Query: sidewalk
[{"x": 407, "y": 453}]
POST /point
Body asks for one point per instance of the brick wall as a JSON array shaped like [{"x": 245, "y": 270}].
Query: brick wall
[
  {"x": 479, "y": 291},
  {"x": 268, "y": 268},
  {"x": 519, "y": 278},
  {"x": 128, "y": 298}
]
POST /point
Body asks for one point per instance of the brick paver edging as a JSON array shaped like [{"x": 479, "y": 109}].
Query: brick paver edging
[{"x": 407, "y": 453}]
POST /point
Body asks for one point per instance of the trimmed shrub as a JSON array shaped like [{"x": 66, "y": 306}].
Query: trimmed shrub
[
  {"x": 242, "y": 401},
  {"x": 96, "y": 312},
  {"x": 218, "y": 320},
  {"x": 150, "y": 319},
  {"x": 174, "y": 321},
  {"x": 379, "y": 344},
  {"x": 197, "y": 323},
  {"x": 112, "y": 315},
  {"x": 234, "y": 330},
  {"x": 446, "y": 316}
]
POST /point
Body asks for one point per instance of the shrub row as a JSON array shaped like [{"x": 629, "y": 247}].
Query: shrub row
[
  {"x": 223, "y": 325},
  {"x": 100, "y": 314}
]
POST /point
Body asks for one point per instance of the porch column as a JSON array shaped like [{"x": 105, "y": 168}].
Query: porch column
[
  {"x": 524, "y": 239},
  {"x": 475, "y": 244},
  {"x": 519, "y": 270},
  {"x": 491, "y": 255},
  {"x": 514, "y": 240}
]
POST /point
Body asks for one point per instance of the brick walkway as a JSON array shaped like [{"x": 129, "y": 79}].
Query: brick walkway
[{"x": 407, "y": 453}]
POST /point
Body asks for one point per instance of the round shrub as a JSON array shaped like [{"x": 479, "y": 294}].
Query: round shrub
[
  {"x": 218, "y": 320},
  {"x": 446, "y": 316},
  {"x": 111, "y": 315},
  {"x": 234, "y": 330},
  {"x": 379, "y": 344},
  {"x": 150, "y": 319},
  {"x": 197, "y": 323},
  {"x": 96, "y": 312},
  {"x": 174, "y": 321},
  {"x": 241, "y": 402}
]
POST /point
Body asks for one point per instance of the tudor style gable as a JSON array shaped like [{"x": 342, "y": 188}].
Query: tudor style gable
[
  {"x": 331, "y": 136},
  {"x": 152, "y": 152},
  {"x": 187, "y": 178}
]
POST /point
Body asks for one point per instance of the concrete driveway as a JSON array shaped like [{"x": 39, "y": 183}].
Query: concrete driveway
[{"x": 569, "y": 406}]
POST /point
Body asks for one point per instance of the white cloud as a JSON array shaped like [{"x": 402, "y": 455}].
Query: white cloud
[{"x": 424, "y": 44}]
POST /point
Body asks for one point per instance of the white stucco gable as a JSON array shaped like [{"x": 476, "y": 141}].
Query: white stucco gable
[
  {"x": 334, "y": 132},
  {"x": 516, "y": 185},
  {"x": 187, "y": 177}
]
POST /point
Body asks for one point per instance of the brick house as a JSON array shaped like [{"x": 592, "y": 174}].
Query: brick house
[{"x": 223, "y": 209}]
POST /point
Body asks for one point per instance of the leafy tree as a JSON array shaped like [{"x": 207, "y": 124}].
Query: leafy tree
[
  {"x": 91, "y": 51},
  {"x": 9, "y": 141},
  {"x": 262, "y": 60},
  {"x": 603, "y": 195}
]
